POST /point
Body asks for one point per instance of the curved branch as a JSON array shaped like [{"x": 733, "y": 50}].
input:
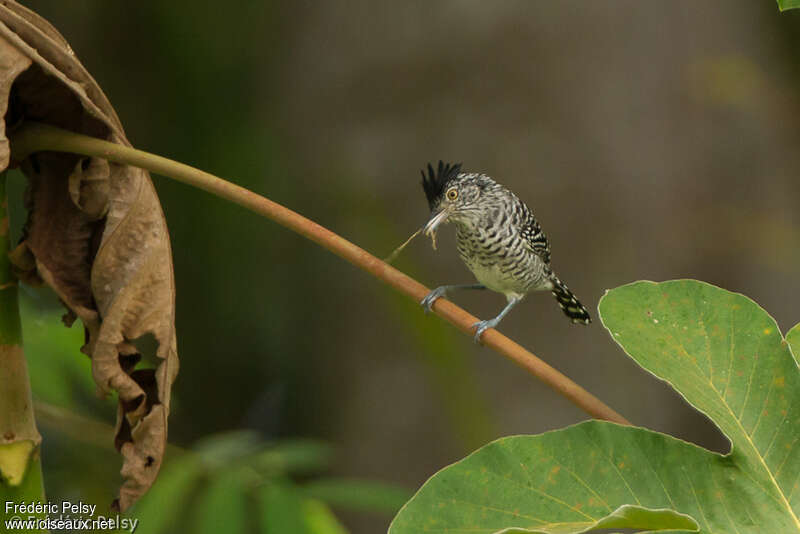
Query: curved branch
[{"x": 36, "y": 137}]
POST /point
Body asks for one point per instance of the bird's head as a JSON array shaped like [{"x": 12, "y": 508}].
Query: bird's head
[{"x": 453, "y": 196}]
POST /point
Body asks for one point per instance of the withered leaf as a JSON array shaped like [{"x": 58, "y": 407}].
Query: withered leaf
[{"x": 96, "y": 234}]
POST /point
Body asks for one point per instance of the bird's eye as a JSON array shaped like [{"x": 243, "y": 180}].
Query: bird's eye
[{"x": 452, "y": 194}]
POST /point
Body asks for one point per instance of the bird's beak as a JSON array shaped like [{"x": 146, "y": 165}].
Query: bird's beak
[{"x": 436, "y": 220}]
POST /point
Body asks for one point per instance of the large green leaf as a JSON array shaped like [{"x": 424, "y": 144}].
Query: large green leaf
[
  {"x": 788, "y": 4},
  {"x": 569, "y": 480},
  {"x": 725, "y": 355}
]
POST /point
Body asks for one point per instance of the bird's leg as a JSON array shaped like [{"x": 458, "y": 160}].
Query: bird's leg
[
  {"x": 482, "y": 326},
  {"x": 441, "y": 291}
]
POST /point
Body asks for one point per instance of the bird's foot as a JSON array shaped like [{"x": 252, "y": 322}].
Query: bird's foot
[
  {"x": 431, "y": 297},
  {"x": 483, "y": 326}
]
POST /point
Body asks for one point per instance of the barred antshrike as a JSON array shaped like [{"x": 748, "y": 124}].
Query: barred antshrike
[{"x": 497, "y": 237}]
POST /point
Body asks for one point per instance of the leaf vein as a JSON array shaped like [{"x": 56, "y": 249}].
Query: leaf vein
[
  {"x": 763, "y": 408},
  {"x": 696, "y": 499},
  {"x": 724, "y": 503},
  {"x": 788, "y": 455},
  {"x": 582, "y": 482},
  {"x": 782, "y": 500},
  {"x": 749, "y": 385},
  {"x": 730, "y": 359},
  {"x": 540, "y": 492},
  {"x": 500, "y": 510},
  {"x": 610, "y": 461},
  {"x": 660, "y": 481}
]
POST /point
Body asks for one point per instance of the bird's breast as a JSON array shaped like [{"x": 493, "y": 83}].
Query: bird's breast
[{"x": 499, "y": 259}]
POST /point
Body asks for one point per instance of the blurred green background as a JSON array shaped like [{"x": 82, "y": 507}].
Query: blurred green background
[{"x": 653, "y": 140}]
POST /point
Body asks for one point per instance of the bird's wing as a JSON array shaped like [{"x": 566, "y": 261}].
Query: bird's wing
[{"x": 535, "y": 239}]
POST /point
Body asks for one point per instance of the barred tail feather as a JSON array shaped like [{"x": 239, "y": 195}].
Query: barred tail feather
[{"x": 573, "y": 309}]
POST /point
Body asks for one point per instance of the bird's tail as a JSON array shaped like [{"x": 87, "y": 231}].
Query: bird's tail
[{"x": 573, "y": 309}]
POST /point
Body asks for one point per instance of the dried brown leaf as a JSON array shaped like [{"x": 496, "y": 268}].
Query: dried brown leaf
[{"x": 96, "y": 234}]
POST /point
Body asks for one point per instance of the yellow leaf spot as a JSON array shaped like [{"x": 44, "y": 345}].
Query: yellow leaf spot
[
  {"x": 767, "y": 331},
  {"x": 555, "y": 470},
  {"x": 780, "y": 382},
  {"x": 621, "y": 465}
]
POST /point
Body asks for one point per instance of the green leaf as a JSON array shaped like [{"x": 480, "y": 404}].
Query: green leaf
[
  {"x": 297, "y": 456},
  {"x": 319, "y": 519},
  {"x": 223, "y": 505},
  {"x": 783, "y": 5},
  {"x": 218, "y": 451},
  {"x": 571, "y": 480},
  {"x": 359, "y": 495},
  {"x": 244, "y": 447},
  {"x": 170, "y": 492},
  {"x": 725, "y": 355},
  {"x": 57, "y": 367},
  {"x": 629, "y": 517},
  {"x": 281, "y": 509},
  {"x": 284, "y": 509}
]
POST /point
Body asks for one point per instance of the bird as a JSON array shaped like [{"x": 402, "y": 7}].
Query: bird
[{"x": 497, "y": 237}]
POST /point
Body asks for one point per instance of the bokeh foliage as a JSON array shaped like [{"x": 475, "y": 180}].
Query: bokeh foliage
[{"x": 236, "y": 483}]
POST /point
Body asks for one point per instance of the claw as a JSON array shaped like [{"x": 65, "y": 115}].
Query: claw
[
  {"x": 431, "y": 297},
  {"x": 483, "y": 326}
]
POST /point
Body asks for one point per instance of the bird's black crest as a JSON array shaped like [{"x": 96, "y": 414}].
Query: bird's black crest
[{"x": 433, "y": 183}]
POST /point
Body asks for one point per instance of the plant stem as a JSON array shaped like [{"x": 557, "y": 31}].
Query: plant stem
[
  {"x": 20, "y": 461},
  {"x": 36, "y": 137}
]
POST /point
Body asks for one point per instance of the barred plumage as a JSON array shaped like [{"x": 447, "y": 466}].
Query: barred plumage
[
  {"x": 569, "y": 303},
  {"x": 497, "y": 237}
]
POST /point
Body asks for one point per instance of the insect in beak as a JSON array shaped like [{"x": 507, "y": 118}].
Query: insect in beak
[{"x": 433, "y": 224}]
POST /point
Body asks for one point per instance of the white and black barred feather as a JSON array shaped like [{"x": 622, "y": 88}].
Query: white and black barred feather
[
  {"x": 498, "y": 237},
  {"x": 570, "y": 305}
]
